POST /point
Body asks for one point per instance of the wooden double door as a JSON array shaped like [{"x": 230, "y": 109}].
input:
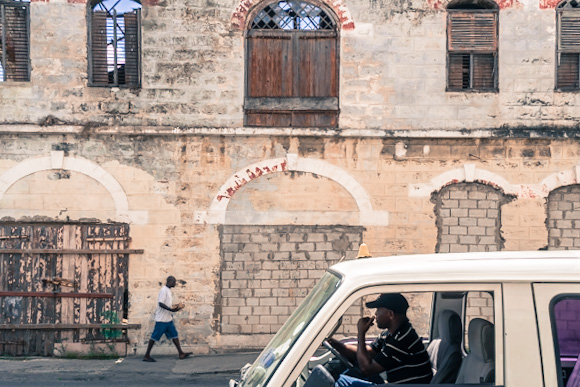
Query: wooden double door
[{"x": 62, "y": 285}]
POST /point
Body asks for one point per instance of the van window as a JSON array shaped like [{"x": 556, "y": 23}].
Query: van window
[
  {"x": 477, "y": 305},
  {"x": 566, "y": 317},
  {"x": 441, "y": 320}
]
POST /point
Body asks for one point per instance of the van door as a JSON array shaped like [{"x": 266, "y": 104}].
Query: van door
[{"x": 557, "y": 314}]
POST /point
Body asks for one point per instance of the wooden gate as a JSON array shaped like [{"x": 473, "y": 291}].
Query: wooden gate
[{"x": 63, "y": 286}]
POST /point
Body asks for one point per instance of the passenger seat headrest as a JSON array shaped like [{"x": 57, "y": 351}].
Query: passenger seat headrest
[
  {"x": 450, "y": 327},
  {"x": 481, "y": 339}
]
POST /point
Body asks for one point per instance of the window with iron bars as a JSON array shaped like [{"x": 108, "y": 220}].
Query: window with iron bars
[
  {"x": 568, "y": 47},
  {"x": 472, "y": 49},
  {"x": 14, "y": 41},
  {"x": 292, "y": 66},
  {"x": 115, "y": 41}
]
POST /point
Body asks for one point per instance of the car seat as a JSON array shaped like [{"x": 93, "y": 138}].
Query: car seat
[
  {"x": 445, "y": 351},
  {"x": 479, "y": 365}
]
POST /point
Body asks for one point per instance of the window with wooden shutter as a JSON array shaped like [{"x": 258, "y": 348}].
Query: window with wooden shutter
[
  {"x": 472, "y": 49},
  {"x": 292, "y": 67},
  {"x": 14, "y": 41},
  {"x": 568, "y": 49},
  {"x": 115, "y": 42}
]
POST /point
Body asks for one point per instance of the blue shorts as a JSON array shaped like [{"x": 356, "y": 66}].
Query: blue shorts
[{"x": 167, "y": 328}]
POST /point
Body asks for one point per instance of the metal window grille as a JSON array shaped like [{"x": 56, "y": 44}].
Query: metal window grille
[
  {"x": 115, "y": 43},
  {"x": 292, "y": 15},
  {"x": 14, "y": 41},
  {"x": 472, "y": 49},
  {"x": 568, "y": 48}
]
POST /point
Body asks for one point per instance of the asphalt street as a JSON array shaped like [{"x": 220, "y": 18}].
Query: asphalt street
[{"x": 131, "y": 371}]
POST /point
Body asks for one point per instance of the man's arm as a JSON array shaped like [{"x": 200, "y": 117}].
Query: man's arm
[
  {"x": 364, "y": 353},
  {"x": 168, "y": 308},
  {"x": 346, "y": 350}
]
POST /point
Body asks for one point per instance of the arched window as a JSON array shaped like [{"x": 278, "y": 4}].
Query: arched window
[
  {"x": 292, "y": 66},
  {"x": 568, "y": 49},
  {"x": 472, "y": 29},
  {"x": 114, "y": 36},
  {"x": 14, "y": 41}
]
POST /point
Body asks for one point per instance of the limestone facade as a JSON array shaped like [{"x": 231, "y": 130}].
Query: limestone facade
[{"x": 249, "y": 218}]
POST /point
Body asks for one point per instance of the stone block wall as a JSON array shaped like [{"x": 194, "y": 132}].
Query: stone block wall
[
  {"x": 268, "y": 270},
  {"x": 198, "y": 214},
  {"x": 469, "y": 218},
  {"x": 564, "y": 218},
  {"x": 393, "y": 55}
]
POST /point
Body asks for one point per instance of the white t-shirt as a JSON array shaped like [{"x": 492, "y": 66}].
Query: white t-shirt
[{"x": 163, "y": 315}]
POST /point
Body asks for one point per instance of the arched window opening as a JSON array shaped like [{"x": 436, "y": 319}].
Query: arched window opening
[
  {"x": 292, "y": 66},
  {"x": 568, "y": 48},
  {"x": 472, "y": 46},
  {"x": 115, "y": 43},
  {"x": 14, "y": 41}
]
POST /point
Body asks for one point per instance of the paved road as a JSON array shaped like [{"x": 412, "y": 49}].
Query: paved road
[{"x": 206, "y": 371}]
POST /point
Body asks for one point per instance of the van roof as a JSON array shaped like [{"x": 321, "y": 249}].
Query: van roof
[{"x": 505, "y": 266}]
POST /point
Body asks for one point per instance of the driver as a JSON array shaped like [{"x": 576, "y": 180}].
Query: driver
[{"x": 398, "y": 350}]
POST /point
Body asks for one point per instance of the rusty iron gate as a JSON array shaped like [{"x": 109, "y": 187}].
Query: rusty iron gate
[{"x": 62, "y": 284}]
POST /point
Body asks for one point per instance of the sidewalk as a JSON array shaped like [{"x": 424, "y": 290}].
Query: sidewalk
[{"x": 127, "y": 371}]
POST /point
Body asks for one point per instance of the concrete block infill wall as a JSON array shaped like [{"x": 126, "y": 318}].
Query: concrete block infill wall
[{"x": 268, "y": 270}]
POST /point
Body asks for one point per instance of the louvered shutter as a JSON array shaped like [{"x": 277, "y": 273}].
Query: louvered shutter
[
  {"x": 132, "y": 52},
  {"x": 568, "y": 50},
  {"x": 99, "y": 74},
  {"x": 483, "y": 71},
  {"x": 16, "y": 58},
  {"x": 459, "y": 71},
  {"x": 472, "y": 31},
  {"x": 472, "y": 49}
]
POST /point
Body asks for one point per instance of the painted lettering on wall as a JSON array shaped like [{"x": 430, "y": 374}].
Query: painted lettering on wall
[{"x": 249, "y": 175}]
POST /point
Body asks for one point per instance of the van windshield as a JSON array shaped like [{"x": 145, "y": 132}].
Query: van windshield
[{"x": 260, "y": 372}]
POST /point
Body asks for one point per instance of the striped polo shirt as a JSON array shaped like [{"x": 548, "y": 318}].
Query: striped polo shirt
[{"x": 403, "y": 355}]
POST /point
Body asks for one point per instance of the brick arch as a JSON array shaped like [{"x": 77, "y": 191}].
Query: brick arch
[
  {"x": 218, "y": 207},
  {"x": 57, "y": 160},
  {"x": 244, "y": 7}
]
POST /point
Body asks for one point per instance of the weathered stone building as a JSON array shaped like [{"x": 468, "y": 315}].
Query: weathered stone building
[{"x": 246, "y": 146}]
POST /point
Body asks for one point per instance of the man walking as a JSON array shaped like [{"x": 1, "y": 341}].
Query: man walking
[{"x": 164, "y": 321}]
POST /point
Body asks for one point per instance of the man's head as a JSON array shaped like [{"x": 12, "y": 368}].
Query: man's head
[
  {"x": 391, "y": 309},
  {"x": 170, "y": 281}
]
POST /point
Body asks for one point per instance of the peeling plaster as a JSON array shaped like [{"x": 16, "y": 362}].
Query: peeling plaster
[{"x": 470, "y": 173}]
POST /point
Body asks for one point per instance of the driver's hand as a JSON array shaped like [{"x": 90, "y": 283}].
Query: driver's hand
[{"x": 365, "y": 323}]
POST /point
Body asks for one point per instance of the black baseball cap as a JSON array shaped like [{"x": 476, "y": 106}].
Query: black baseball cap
[{"x": 392, "y": 301}]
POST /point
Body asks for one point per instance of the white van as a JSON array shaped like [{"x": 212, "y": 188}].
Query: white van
[{"x": 519, "y": 316}]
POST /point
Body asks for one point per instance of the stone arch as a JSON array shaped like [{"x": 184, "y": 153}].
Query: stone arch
[
  {"x": 469, "y": 173},
  {"x": 559, "y": 179},
  {"x": 57, "y": 160},
  {"x": 219, "y": 204},
  {"x": 244, "y": 8}
]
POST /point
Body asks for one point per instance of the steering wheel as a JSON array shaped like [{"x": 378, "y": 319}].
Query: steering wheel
[{"x": 339, "y": 356}]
